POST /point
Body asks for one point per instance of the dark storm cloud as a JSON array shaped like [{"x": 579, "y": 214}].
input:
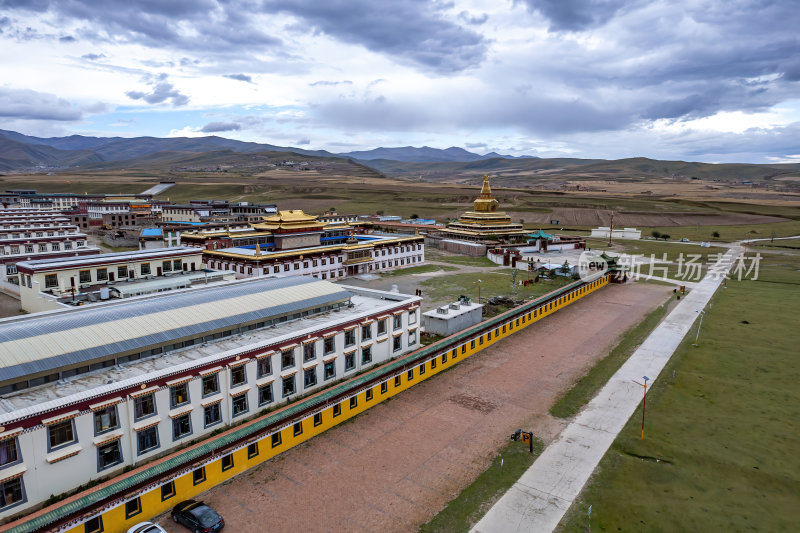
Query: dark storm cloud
[
  {"x": 410, "y": 30},
  {"x": 239, "y": 77},
  {"x": 162, "y": 91},
  {"x": 218, "y": 27},
  {"x": 32, "y": 105},
  {"x": 216, "y": 127},
  {"x": 575, "y": 15}
]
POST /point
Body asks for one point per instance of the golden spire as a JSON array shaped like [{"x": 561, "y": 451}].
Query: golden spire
[{"x": 485, "y": 203}]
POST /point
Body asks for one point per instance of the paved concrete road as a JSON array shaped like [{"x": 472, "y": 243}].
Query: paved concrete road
[
  {"x": 538, "y": 501},
  {"x": 395, "y": 466}
]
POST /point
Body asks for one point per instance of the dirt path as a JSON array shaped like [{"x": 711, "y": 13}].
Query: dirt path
[{"x": 395, "y": 466}]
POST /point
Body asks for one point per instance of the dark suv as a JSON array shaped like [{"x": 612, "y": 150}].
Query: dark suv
[{"x": 197, "y": 516}]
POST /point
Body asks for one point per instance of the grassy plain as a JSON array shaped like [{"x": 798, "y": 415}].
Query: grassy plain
[
  {"x": 493, "y": 283},
  {"x": 721, "y": 440}
]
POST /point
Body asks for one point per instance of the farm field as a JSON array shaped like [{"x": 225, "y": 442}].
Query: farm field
[{"x": 718, "y": 452}]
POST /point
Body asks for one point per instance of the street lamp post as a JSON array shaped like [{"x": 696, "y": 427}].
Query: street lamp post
[
  {"x": 479, "y": 292},
  {"x": 644, "y": 399},
  {"x": 697, "y": 336}
]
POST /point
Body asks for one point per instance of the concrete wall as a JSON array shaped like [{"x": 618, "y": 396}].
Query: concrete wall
[{"x": 454, "y": 321}]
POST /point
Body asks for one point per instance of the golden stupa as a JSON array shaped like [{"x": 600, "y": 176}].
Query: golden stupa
[{"x": 485, "y": 220}]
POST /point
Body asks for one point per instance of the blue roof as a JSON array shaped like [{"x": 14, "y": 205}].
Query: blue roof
[{"x": 151, "y": 232}]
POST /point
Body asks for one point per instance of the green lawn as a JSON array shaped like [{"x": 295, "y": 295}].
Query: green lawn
[
  {"x": 465, "y": 260},
  {"x": 493, "y": 283},
  {"x": 421, "y": 269},
  {"x": 721, "y": 445},
  {"x": 469, "y": 507},
  {"x": 586, "y": 387}
]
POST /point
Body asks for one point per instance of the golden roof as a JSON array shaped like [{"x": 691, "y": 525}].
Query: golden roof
[{"x": 291, "y": 219}]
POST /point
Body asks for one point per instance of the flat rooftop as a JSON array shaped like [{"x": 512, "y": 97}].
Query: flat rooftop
[
  {"x": 365, "y": 302},
  {"x": 102, "y": 259}
]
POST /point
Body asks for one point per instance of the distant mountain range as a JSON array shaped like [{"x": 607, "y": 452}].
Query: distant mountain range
[
  {"x": 20, "y": 152},
  {"x": 426, "y": 154},
  {"x": 24, "y": 153}
]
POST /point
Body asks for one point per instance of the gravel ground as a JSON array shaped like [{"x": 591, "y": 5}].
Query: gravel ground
[
  {"x": 9, "y": 306},
  {"x": 395, "y": 466}
]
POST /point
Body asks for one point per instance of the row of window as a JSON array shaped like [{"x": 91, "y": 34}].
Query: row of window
[
  {"x": 40, "y": 248},
  {"x": 39, "y": 234}
]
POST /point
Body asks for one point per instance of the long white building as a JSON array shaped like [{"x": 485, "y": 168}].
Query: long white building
[{"x": 86, "y": 392}]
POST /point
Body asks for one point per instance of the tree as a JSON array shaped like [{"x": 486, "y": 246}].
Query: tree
[
  {"x": 565, "y": 268},
  {"x": 414, "y": 216},
  {"x": 656, "y": 234},
  {"x": 332, "y": 209},
  {"x": 665, "y": 236},
  {"x": 379, "y": 212},
  {"x": 715, "y": 235}
]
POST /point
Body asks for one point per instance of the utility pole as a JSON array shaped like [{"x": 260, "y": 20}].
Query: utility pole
[{"x": 611, "y": 229}]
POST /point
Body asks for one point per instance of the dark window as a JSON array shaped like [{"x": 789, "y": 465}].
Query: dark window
[
  {"x": 317, "y": 419},
  {"x": 433, "y": 363},
  {"x": 145, "y": 269},
  {"x": 144, "y": 406},
  {"x": 178, "y": 395},
  {"x": 382, "y": 327},
  {"x": 227, "y": 461},
  {"x": 472, "y": 345},
  {"x": 265, "y": 394},
  {"x": 50, "y": 281},
  {"x": 105, "y": 419},
  {"x": 61, "y": 434},
  {"x": 349, "y": 361},
  {"x": 276, "y": 439},
  {"x": 366, "y": 355},
  {"x": 122, "y": 272},
  {"x": 238, "y": 376},
  {"x": 384, "y": 387},
  {"x": 288, "y": 386},
  {"x": 353, "y": 402},
  {"x": 397, "y": 381},
  {"x": 369, "y": 395},
  {"x": 9, "y": 451},
  {"x": 337, "y": 410},
  {"x": 397, "y": 322},
  {"x": 102, "y": 274},
  {"x": 212, "y": 414},
  {"x": 181, "y": 426},
  {"x": 11, "y": 493},
  {"x": 147, "y": 439},
  {"x": 177, "y": 265},
  {"x": 309, "y": 351},
  {"x": 133, "y": 507},
  {"x": 330, "y": 345},
  {"x": 410, "y": 375},
  {"x": 310, "y": 377},
  {"x": 298, "y": 428},
  {"x": 210, "y": 384},
  {"x": 199, "y": 475},
  {"x": 94, "y": 525},
  {"x": 287, "y": 359},
  {"x": 167, "y": 491},
  {"x": 366, "y": 332},
  {"x": 330, "y": 370},
  {"x": 252, "y": 450},
  {"x": 422, "y": 369},
  {"x": 264, "y": 366},
  {"x": 239, "y": 405},
  {"x": 108, "y": 455},
  {"x": 444, "y": 358},
  {"x": 397, "y": 343},
  {"x": 350, "y": 337},
  {"x": 464, "y": 349}
]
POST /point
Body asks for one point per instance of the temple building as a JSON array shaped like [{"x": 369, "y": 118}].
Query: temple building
[
  {"x": 485, "y": 222},
  {"x": 294, "y": 243}
]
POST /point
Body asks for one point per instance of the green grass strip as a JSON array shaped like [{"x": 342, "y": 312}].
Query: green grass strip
[
  {"x": 585, "y": 389},
  {"x": 468, "y": 508}
]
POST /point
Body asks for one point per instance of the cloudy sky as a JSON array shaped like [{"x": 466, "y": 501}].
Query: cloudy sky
[{"x": 703, "y": 80}]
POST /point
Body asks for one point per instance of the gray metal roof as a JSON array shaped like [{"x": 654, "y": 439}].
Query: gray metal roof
[
  {"x": 115, "y": 257},
  {"x": 44, "y": 343}
]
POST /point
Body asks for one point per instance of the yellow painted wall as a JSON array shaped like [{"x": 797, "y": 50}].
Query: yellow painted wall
[{"x": 114, "y": 520}]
